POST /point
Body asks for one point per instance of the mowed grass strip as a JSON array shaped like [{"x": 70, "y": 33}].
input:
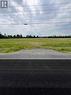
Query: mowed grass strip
[{"x": 13, "y": 45}]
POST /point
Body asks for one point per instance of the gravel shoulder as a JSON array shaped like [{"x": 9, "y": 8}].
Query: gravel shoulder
[{"x": 36, "y": 54}]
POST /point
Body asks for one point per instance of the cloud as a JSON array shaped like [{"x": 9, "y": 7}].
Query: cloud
[
  {"x": 44, "y": 17},
  {"x": 34, "y": 6}
]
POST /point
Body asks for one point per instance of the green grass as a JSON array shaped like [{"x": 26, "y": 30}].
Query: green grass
[{"x": 13, "y": 45}]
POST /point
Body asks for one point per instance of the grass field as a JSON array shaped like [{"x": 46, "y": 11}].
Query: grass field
[{"x": 13, "y": 45}]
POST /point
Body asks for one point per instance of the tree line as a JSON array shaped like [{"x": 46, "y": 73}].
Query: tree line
[
  {"x": 30, "y": 36},
  {"x": 10, "y": 36},
  {"x": 59, "y": 36},
  {"x": 16, "y": 36}
]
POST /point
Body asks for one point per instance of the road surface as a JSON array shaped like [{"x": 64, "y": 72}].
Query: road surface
[
  {"x": 36, "y": 54},
  {"x": 35, "y": 73}
]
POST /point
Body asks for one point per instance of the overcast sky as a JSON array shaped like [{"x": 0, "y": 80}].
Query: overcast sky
[{"x": 44, "y": 17}]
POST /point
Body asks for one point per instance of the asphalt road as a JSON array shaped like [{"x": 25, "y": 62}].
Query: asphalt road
[
  {"x": 35, "y": 73},
  {"x": 36, "y": 54},
  {"x": 20, "y": 70}
]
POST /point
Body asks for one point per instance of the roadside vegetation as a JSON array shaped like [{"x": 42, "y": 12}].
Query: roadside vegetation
[{"x": 16, "y": 44}]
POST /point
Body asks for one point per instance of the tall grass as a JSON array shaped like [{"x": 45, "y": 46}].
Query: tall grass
[{"x": 13, "y": 45}]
